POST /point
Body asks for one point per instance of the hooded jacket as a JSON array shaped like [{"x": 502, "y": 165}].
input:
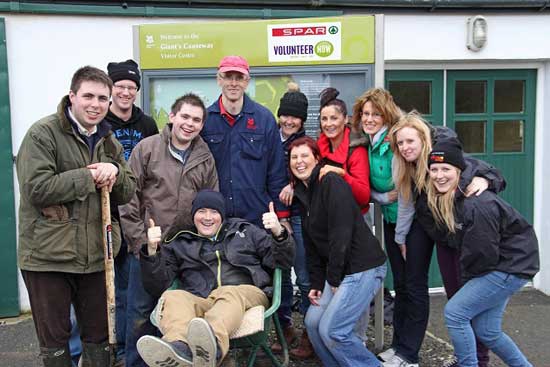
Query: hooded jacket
[
  {"x": 355, "y": 162},
  {"x": 165, "y": 186},
  {"x": 245, "y": 246},
  {"x": 131, "y": 132},
  {"x": 337, "y": 239},
  {"x": 60, "y": 227}
]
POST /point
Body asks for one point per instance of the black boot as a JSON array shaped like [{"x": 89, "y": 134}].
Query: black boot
[
  {"x": 95, "y": 355},
  {"x": 56, "y": 357}
]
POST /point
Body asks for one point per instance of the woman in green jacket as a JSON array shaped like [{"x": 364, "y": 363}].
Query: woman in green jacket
[{"x": 374, "y": 113}]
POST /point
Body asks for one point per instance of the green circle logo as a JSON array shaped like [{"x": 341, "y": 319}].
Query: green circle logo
[
  {"x": 324, "y": 49},
  {"x": 333, "y": 29}
]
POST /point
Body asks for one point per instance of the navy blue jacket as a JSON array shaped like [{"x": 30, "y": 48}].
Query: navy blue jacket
[
  {"x": 245, "y": 246},
  {"x": 249, "y": 158}
]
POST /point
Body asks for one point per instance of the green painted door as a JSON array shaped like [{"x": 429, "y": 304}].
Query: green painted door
[
  {"x": 493, "y": 113},
  {"x": 421, "y": 90},
  {"x": 9, "y": 293}
]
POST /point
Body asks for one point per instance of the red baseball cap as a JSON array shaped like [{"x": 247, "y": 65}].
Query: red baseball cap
[{"x": 234, "y": 63}]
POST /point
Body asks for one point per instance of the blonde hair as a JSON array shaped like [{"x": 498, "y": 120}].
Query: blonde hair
[
  {"x": 442, "y": 205},
  {"x": 409, "y": 172},
  {"x": 382, "y": 100}
]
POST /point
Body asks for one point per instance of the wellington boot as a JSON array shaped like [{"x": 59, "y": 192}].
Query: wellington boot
[
  {"x": 95, "y": 355},
  {"x": 304, "y": 350},
  {"x": 56, "y": 357},
  {"x": 290, "y": 336}
]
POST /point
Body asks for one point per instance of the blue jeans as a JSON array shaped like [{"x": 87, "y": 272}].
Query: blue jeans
[
  {"x": 75, "y": 345},
  {"x": 139, "y": 307},
  {"x": 122, "y": 272},
  {"x": 302, "y": 277},
  {"x": 330, "y": 325},
  {"x": 476, "y": 310}
]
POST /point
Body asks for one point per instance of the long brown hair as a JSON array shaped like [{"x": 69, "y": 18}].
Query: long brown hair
[
  {"x": 382, "y": 100},
  {"x": 409, "y": 172},
  {"x": 442, "y": 205}
]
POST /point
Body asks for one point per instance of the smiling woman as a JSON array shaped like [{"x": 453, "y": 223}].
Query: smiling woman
[
  {"x": 346, "y": 263},
  {"x": 337, "y": 153}
]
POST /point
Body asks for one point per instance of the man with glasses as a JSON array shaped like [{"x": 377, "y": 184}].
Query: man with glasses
[
  {"x": 244, "y": 140},
  {"x": 129, "y": 125}
]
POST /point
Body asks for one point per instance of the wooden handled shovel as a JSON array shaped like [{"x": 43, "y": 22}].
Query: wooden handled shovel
[{"x": 109, "y": 269}]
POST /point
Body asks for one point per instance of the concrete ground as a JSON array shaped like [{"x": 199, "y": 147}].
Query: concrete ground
[{"x": 526, "y": 320}]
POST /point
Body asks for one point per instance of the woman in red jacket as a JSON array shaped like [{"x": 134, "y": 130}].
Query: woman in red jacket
[{"x": 337, "y": 154}]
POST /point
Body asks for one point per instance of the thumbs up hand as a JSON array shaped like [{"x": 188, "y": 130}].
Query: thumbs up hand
[
  {"x": 154, "y": 234},
  {"x": 271, "y": 221}
]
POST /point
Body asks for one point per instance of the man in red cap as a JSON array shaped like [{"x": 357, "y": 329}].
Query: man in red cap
[{"x": 244, "y": 140}]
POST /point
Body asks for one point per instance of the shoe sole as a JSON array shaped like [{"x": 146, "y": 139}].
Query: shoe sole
[
  {"x": 202, "y": 342},
  {"x": 158, "y": 353}
]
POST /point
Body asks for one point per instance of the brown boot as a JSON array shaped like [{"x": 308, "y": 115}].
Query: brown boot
[
  {"x": 304, "y": 350},
  {"x": 290, "y": 336}
]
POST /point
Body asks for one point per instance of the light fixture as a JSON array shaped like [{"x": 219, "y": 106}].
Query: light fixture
[{"x": 476, "y": 34}]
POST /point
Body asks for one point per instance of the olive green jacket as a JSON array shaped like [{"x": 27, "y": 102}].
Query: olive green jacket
[{"x": 60, "y": 226}]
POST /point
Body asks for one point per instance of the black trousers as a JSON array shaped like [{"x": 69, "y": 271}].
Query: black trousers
[
  {"x": 51, "y": 295},
  {"x": 410, "y": 282}
]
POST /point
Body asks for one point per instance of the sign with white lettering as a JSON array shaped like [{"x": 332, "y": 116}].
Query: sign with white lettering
[{"x": 318, "y": 41}]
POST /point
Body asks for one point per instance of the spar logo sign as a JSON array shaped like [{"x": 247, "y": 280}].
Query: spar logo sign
[{"x": 304, "y": 42}]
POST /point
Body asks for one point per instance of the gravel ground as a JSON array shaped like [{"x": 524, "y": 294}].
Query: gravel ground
[{"x": 434, "y": 351}]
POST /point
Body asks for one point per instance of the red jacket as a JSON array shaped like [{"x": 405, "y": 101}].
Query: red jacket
[{"x": 355, "y": 165}]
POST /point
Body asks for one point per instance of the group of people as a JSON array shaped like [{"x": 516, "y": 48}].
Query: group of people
[{"x": 223, "y": 195}]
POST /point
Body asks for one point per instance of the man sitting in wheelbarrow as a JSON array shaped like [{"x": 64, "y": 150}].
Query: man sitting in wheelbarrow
[{"x": 223, "y": 266}]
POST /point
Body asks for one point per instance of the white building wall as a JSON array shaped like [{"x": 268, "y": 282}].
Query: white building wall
[
  {"x": 45, "y": 50},
  {"x": 43, "y": 53},
  {"x": 435, "y": 36}
]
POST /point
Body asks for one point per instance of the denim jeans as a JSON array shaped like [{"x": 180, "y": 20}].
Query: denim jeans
[
  {"x": 75, "y": 345},
  {"x": 122, "y": 272},
  {"x": 476, "y": 310},
  {"x": 449, "y": 266},
  {"x": 330, "y": 325},
  {"x": 139, "y": 307},
  {"x": 302, "y": 277},
  {"x": 410, "y": 282}
]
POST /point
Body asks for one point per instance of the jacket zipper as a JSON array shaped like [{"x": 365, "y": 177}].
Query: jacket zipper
[{"x": 219, "y": 276}]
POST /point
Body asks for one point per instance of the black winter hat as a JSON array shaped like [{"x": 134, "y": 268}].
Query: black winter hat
[
  {"x": 448, "y": 151},
  {"x": 125, "y": 70},
  {"x": 209, "y": 199},
  {"x": 293, "y": 103}
]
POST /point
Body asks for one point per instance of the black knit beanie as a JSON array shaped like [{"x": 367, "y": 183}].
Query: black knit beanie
[
  {"x": 448, "y": 151},
  {"x": 293, "y": 104},
  {"x": 125, "y": 70},
  {"x": 209, "y": 199}
]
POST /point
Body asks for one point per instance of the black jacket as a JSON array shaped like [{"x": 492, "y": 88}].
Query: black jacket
[
  {"x": 491, "y": 235},
  {"x": 245, "y": 246},
  {"x": 131, "y": 132},
  {"x": 474, "y": 167},
  {"x": 338, "y": 241}
]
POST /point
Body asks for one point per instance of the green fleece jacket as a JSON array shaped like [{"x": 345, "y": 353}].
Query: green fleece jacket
[{"x": 60, "y": 226}]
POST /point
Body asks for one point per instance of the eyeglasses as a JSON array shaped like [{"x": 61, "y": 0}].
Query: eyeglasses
[
  {"x": 234, "y": 77},
  {"x": 130, "y": 89}
]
